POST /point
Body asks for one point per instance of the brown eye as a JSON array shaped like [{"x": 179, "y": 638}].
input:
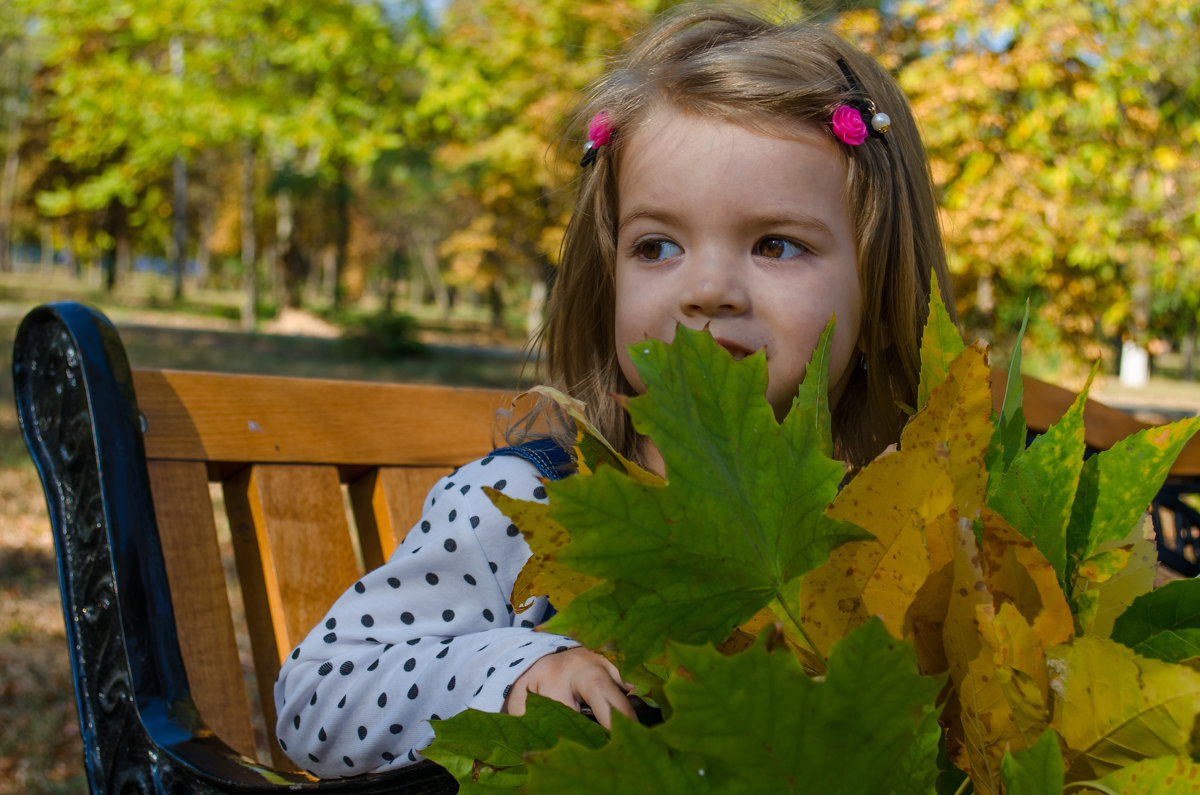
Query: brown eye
[
  {"x": 778, "y": 248},
  {"x": 656, "y": 249}
]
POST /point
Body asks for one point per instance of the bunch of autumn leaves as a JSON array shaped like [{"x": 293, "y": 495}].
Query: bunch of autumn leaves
[{"x": 969, "y": 611}]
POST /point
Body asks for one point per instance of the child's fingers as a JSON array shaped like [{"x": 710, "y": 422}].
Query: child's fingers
[
  {"x": 573, "y": 677},
  {"x": 616, "y": 676},
  {"x": 515, "y": 703},
  {"x": 608, "y": 699}
]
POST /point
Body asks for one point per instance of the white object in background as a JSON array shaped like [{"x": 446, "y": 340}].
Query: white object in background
[{"x": 1135, "y": 365}]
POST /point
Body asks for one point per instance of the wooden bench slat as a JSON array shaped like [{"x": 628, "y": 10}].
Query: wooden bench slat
[
  {"x": 269, "y": 419},
  {"x": 1044, "y": 404},
  {"x": 294, "y": 556},
  {"x": 387, "y": 503},
  {"x": 183, "y": 509}
]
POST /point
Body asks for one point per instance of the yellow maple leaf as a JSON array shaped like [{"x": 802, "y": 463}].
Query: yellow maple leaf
[
  {"x": 879, "y": 576},
  {"x": 1020, "y": 659},
  {"x": 940, "y": 465},
  {"x": 1109, "y": 581},
  {"x": 1113, "y": 708},
  {"x": 986, "y": 725},
  {"x": 541, "y": 575},
  {"x": 590, "y": 446},
  {"x": 1017, "y": 573},
  {"x": 956, "y": 425}
]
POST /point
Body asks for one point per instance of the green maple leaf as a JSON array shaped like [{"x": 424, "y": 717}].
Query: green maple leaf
[
  {"x": 1164, "y": 623},
  {"x": 741, "y": 514},
  {"x": 637, "y": 760},
  {"x": 486, "y": 751},
  {"x": 754, "y": 722},
  {"x": 1037, "y": 770}
]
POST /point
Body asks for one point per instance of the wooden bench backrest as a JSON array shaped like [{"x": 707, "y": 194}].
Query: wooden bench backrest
[{"x": 281, "y": 450}]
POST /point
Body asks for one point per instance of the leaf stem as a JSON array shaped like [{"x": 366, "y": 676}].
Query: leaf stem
[
  {"x": 800, "y": 629},
  {"x": 963, "y": 786}
]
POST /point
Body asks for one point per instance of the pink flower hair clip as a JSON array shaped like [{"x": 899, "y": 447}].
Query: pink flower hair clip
[
  {"x": 853, "y": 122},
  {"x": 599, "y": 133}
]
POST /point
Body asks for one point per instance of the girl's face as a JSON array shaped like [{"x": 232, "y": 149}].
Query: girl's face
[{"x": 745, "y": 235}]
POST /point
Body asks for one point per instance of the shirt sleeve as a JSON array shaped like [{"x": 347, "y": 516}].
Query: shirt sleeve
[{"x": 425, "y": 636}]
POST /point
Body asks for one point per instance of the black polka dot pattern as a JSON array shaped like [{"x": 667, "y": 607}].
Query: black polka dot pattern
[{"x": 449, "y": 585}]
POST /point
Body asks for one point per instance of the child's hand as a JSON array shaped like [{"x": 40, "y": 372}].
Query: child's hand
[{"x": 574, "y": 677}]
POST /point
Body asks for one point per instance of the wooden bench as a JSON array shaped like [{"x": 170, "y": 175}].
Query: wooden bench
[{"x": 319, "y": 480}]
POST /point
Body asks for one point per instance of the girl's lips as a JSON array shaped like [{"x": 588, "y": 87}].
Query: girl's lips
[{"x": 736, "y": 349}]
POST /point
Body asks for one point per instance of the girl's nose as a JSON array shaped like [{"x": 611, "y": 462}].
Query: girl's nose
[{"x": 713, "y": 289}]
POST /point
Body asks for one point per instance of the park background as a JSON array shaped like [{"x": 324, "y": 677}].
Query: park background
[{"x": 376, "y": 189}]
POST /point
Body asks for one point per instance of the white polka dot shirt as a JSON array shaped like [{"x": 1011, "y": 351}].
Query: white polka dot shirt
[{"x": 427, "y": 635}]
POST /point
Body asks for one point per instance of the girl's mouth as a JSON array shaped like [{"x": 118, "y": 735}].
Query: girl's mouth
[{"x": 736, "y": 349}]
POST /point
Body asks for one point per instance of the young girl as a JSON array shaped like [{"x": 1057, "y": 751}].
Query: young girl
[{"x": 741, "y": 177}]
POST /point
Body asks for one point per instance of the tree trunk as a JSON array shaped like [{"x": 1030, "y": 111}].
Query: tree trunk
[
  {"x": 179, "y": 225},
  {"x": 426, "y": 252},
  {"x": 47, "y": 253},
  {"x": 341, "y": 237},
  {"x": 496, "y": 304},
  {"x": 73, "y": 260},
  {"x": 8, "y": 191},
  {"x": 395, "y": 267},
  {"x": 203, "y": 252},
  {"x": 249, "y": 267},
  {"x": 1135, "y": 358},
  {"x": 1189, "y": 352},
  {"x": 124, "y": 254}
]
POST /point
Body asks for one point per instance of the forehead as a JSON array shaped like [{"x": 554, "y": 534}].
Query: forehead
[{"x": 675, "y": 157}]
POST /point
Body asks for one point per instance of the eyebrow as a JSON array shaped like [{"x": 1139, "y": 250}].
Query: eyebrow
[
  {"x": 665, "y": 216},
  {"x": 801, "y": 220}
]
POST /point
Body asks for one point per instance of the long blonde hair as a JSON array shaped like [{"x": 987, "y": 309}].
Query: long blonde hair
[{"x": 737, "y": 67}]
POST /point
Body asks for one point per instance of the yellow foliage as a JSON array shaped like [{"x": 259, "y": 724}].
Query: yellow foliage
[
  {"x": 543, "y": 575},
  {"x": 1113, "y": 708}
]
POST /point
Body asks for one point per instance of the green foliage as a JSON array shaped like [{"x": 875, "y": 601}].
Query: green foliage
[
  {"x": 1038, "y": 770},
  {"x": 759, "y": 537},
  {"x": 485, "y": 751},
  {"x": 942, "y": 639},
  {"x": 386, "y": 335},
  {"x": 1163, "y": 624},
  {"x": 1063, "y": 139},
  {"x": 847, "y": 734}
]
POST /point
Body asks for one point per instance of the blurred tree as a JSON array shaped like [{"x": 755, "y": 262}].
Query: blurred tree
[
  {"x": 500, "y": 78},
  {"x": 1064, "y": 138},
  {"x": 306, "y": 85},
  {"x": 18, "y": 57}
]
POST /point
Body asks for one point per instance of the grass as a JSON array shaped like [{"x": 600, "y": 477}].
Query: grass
[{"x": 40, "y": 747}]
